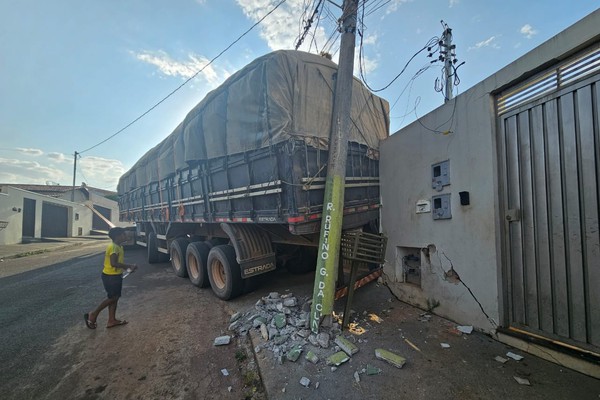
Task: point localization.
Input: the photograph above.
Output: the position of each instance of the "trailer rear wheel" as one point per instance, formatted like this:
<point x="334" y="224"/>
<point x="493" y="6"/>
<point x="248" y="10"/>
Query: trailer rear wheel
<point x="178" y="248"/>
<point x="196" y="257"/>
<point x="224" y="272"/>
<point x="152" y="247"/>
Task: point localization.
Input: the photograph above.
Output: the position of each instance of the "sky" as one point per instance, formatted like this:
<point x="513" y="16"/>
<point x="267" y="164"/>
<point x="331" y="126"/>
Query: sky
<point x="74" y="73"/>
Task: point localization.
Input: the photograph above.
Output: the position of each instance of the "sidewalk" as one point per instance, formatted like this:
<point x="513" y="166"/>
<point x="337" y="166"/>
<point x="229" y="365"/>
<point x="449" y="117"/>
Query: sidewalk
<point x="441" y="362"/>
<point x="37" y="246"/>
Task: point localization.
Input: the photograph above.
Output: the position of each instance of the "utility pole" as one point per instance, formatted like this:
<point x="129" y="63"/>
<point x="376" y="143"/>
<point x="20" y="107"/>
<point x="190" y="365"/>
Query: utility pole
<point x="333" y="202"/>
<point x="74" y="172"/>
<point x="448" y="54"/>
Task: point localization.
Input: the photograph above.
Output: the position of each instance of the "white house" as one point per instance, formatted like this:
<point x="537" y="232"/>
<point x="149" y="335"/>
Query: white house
<point x="45" y="211"/>
<point x="490" y="202"/>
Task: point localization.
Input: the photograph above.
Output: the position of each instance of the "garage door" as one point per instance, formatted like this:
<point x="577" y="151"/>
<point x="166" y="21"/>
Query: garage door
<point x="55" y="220"/>
<point x="550" y="155"/>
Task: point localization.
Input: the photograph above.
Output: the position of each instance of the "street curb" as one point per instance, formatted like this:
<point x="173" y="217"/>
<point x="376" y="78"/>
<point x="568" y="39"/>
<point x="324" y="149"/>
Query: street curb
<point x="48" y="250"/>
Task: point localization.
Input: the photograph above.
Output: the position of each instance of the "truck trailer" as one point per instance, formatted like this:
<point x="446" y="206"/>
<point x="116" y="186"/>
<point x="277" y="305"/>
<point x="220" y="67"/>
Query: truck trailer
<point x="236" y="190"/>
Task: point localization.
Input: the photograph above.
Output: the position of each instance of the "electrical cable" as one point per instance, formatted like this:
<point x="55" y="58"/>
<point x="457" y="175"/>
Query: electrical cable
<point x="187" y="80"/>
<point x="308" y="25"/>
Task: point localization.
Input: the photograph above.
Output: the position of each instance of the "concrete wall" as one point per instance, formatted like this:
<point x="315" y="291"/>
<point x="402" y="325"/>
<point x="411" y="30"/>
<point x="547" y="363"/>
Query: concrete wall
<point x="13" y="198"/>
<point x="471" y="240"/>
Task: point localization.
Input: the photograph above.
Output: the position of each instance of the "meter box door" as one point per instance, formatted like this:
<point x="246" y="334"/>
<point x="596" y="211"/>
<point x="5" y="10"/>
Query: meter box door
<point x="441" y="207"/>
<point x="440" y="175"/>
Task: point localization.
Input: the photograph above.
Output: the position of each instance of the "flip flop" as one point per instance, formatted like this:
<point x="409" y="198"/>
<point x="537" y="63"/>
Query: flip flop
<point x="88" y="323"/>
<point x="117" y="324"/>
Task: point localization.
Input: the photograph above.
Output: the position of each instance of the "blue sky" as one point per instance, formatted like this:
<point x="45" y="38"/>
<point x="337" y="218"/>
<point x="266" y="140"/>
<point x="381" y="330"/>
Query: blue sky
<point x="74" y="72"/>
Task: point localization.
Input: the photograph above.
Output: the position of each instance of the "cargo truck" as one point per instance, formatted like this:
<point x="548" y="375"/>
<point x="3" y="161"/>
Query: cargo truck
<point x="237" y="189"/>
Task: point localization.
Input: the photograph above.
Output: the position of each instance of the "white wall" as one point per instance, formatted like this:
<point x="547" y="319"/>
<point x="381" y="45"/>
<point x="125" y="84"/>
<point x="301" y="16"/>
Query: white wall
<point x="469" y="238"/>
<point x="13" y="198"/>
<point x="472" y="238"/>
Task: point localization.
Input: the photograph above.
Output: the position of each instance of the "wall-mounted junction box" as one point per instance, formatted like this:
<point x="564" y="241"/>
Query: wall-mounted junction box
<point x="440" y="175"/>
<point x="441" y="207"/>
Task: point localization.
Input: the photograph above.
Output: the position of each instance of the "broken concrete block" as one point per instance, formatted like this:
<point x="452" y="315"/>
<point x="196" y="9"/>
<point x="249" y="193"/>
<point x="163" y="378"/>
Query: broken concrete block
<point x="445" y="345"/>
<point x="522" y="381"/>
<point x="501" y="359"/>
<point x="264" y="332"/>
<point x="346" y="345"/>
<point x="316" y="385"/>
<point x="279" y="320"/>
<point x="323" y="340"/>
<point x="273" y="332"/>
<point x="280" y="339"/>
<point x="274" y="295"/>
<point x="465" y="329"/>
<point x="356" y="377"/>
<point x="225" y="372"/>
<point x="333" y="369"/>
<point x="258" y="321"/>
<point x="391" y="358"/>
<point x="312" y="357"/>
<point x="294" y="353"/>
<point x="303" y="333"/>
<point x="290" y="302"/>
<point x="514" y="356"/>
<point x="313" y="339"/>
<point x="235" y="317"/>
<point x="235" y="325"/>
<point x="279" y="306"/>
<point x="305" y="381"/>
<point x="222" y="340"/>
<point x="338" y="358"/>
<point x="371" y="370"/>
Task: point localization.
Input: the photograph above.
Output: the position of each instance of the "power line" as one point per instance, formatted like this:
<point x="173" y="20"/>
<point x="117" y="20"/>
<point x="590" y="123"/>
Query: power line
<point x="186" y="81"/>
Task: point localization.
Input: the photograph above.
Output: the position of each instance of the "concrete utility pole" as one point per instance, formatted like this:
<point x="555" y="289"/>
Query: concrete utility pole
<point x="74" y="171"/>
<point x="333" y="202"/>
<point x="448" y="57"/>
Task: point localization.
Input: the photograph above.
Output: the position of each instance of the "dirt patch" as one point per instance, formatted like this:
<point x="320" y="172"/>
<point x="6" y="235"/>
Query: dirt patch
<point x="166" y="351"/>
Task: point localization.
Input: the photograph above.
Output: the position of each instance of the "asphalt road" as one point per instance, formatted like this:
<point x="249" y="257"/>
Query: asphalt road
<point x="48" y="353"/>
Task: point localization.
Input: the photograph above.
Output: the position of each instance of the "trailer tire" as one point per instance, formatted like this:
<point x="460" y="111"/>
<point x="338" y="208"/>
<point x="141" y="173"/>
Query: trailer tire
<point x="196" y="257"/>
<point x="152" y="247"/>
<point x="224" y="272"/>
<point x="177" y="250"/>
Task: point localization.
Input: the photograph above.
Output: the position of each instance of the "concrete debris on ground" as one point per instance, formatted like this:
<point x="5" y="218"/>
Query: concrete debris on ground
<point x="514" y="356"/>
<point x="391" y="358"/>
<point x="305" y="381"/>
<point x="468" y="329"/>
<point x="500" y="359"/>
<point x="225" y="372"/>
<point x="522" y="381"/>
<point x="282" y="321"/>
<point x="445" y="345"/>
<point x="222" y="340"/>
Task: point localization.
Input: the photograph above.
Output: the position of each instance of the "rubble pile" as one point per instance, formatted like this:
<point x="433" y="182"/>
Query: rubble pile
<point x="283" y="322"/>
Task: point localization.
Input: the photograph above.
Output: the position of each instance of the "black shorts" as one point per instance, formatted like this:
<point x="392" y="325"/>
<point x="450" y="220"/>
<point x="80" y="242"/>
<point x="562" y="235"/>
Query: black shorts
<point x="112" y="285"/>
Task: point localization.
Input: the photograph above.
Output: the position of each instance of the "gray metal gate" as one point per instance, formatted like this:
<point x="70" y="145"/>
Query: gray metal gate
<point x="550" y="156"/>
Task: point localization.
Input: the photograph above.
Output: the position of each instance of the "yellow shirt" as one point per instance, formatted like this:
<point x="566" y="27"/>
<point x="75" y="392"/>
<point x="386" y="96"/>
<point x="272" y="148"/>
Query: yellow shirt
<point x="113" y="248"/>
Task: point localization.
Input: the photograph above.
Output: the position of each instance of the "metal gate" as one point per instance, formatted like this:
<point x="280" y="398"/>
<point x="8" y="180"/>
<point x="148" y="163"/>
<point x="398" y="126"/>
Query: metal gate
<point x="55" y="220"/>
<point x="550" y="161"/>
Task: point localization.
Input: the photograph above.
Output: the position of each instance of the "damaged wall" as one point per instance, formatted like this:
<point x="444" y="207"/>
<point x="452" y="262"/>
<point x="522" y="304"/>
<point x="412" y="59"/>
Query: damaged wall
<point x="468" y="240"/>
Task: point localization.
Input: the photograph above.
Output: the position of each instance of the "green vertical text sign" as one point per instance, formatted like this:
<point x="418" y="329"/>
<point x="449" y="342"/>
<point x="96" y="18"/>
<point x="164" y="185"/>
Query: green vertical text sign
<point x="328" y="251"/>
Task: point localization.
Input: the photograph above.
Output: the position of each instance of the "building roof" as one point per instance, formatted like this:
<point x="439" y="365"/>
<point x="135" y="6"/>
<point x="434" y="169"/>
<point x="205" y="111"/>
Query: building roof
<point x="57" y="190"/>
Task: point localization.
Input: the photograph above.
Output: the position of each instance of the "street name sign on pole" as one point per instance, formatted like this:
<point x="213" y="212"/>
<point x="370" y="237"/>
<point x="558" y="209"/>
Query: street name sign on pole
<point x="333" y="202"/>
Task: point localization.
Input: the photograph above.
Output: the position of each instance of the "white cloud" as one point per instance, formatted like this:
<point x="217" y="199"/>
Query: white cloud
<point x="278" y="29"/>
<point x="369" y="64"/>
<point x="185" y="69"/>
<point x="19" y="171"/>
<point x="59" y="157"/>
<point x="393" y="7"/>
<point x="370" y="39"/>
<point x="31" y="152"/>
<point x="528" y="31"/>
<point x="101" y="172"/>
<point x="454" y="2"/>
<point x="490" y="42"/>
